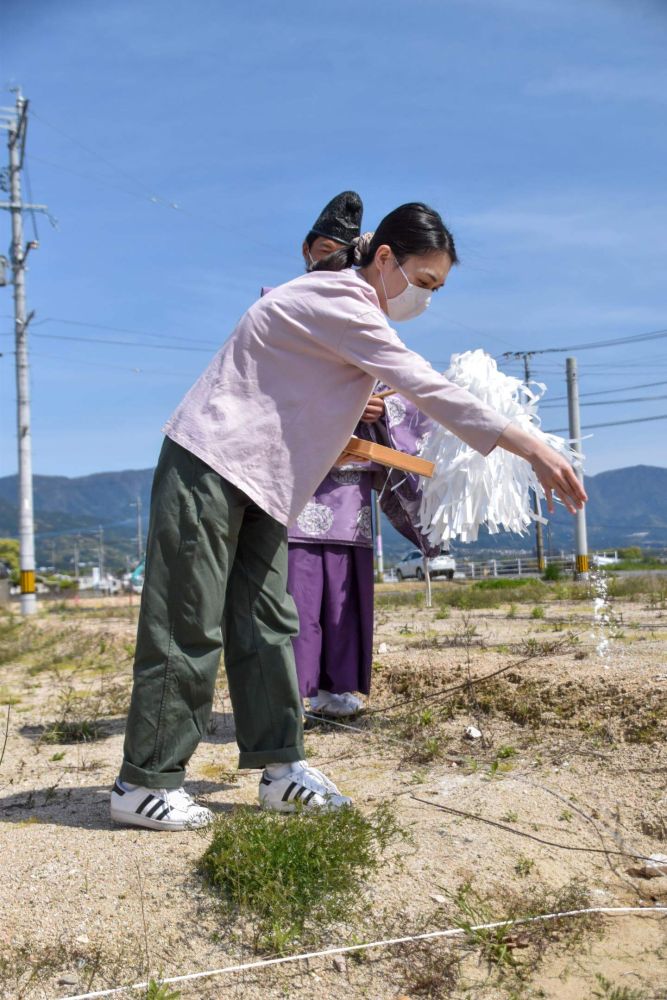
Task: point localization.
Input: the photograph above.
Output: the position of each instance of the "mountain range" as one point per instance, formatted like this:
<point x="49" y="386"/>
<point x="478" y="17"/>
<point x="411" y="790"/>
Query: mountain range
<point x="626" y="507"/>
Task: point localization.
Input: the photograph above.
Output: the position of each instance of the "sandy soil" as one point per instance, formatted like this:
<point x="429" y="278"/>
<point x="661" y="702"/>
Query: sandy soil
<point x="572" y="753"/>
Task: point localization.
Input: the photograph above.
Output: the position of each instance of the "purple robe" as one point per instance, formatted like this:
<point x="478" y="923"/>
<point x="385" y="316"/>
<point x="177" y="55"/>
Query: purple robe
<point x="332" y="586"/>
<point x="339" y="511"/>
<point x="331" y="558"/>
<point x="405" y="428"/>
<point x="331" y="580"/>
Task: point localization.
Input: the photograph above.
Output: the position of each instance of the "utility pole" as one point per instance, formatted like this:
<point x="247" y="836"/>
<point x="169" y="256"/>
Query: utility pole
<point x="539" y="537"/>
<point x="580" y="539"/>
<point x="76" y="557"/>
<point x="140" y="543"/>
<point x="100" y="552"/>
<point x="15" y="122"/>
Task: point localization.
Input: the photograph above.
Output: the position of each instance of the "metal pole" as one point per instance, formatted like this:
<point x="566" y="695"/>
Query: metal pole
<point x="581" y="542"/>
<point x="100" y="552"/>
<point x="379" y="575"/>
<point x="539" y="540"/>
<point x="140" y="544"/>
<point x="17" y="130"/>
<point x="427" y="581"/>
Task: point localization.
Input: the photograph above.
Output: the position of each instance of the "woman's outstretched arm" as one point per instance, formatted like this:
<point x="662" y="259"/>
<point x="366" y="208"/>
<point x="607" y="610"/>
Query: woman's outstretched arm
<point x="553" y="471"/>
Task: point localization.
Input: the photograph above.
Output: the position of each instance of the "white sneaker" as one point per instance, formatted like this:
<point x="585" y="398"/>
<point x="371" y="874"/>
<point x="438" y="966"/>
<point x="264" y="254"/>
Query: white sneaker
<point x="338" y="706"/>
<point x="157" y="808"/>
<point x="302" y="784"/>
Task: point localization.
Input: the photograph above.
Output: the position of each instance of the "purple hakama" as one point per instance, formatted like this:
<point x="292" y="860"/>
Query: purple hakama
<point x="331" y="557"/>
<point x="331" y="581"/>
<point x="332" y="586"/>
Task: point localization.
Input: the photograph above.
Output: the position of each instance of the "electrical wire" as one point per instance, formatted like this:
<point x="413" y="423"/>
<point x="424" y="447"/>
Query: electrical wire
<point x="92" y="177"/>
<point x="606" y="392"/>
<point x="120" y="343"/>
<point x="122" y="329"/>
<point x="157" y="199"/>
<point x="187" y="341"/>
<point x="608" y="402"/>
<point x="592" y="345"/>
<point x="612" y="423"/>
<point x="178" y="373"/>
<point x="97" y="155"/>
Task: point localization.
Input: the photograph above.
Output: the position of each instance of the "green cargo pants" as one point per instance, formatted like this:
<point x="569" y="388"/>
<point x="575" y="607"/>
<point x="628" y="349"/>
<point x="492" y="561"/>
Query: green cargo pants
<point x="216" y="575"/>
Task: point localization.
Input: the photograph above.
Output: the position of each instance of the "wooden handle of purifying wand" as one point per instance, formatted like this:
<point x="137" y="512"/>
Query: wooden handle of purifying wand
<point x="369" y="451"/>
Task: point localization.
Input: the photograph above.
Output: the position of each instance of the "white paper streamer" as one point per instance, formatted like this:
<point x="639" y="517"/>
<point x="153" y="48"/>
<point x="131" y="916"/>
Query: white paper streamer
<point x="469" y="489"/>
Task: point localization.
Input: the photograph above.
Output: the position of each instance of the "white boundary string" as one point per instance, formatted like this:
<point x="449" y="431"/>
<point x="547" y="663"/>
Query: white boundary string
<point x="430" y="936"/>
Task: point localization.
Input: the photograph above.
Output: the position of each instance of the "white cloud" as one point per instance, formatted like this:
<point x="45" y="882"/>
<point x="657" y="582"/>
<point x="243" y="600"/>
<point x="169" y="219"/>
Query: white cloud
<point x="605" y="83"/>
<point x="580" y="221"/>
<point x="548" y="228"/>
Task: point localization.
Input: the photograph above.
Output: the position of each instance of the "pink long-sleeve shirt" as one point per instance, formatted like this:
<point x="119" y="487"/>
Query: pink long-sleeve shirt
<point x="279" y="401"/>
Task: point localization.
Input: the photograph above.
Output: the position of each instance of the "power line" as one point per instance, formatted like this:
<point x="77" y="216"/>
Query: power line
<point x="121" y="343"/>
<point x="611" y="402"/>
<point x="607" y="392"/>
<point x="157" y="199"/>
<point x="179" y="373"/>
<point x="612" y="423"/>
<point x="122" y="329"/>
<point x="98" y="180"/>
<point x="592" y="367"/>
<point x="113" y="166"/>
<point x="591" y="345"/>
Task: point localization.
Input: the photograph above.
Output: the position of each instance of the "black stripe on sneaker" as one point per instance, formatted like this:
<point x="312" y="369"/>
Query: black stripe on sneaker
<point x="308" y="798"/>
<point x="164" y="813"/>
<point x="149" y="798"/>
<point x="154" y="809"/>
<point x="288" y="791"/>
<point x="300" y="791"/>
<point x="117" y="789"/>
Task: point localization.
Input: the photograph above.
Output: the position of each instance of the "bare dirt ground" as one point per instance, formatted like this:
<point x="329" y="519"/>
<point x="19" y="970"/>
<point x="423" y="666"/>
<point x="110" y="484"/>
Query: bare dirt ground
<point x="553" y="807"/>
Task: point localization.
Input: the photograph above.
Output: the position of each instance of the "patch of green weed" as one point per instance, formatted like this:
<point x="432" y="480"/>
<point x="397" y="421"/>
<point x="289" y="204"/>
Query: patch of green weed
<point x="294" y="876"/>
<point x="608" y="991"/>
<point x="160" y="991"/>
<point x="72" y="731"/>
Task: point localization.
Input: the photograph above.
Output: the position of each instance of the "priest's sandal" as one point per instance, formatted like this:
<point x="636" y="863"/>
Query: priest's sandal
<point x="338" y="706"/>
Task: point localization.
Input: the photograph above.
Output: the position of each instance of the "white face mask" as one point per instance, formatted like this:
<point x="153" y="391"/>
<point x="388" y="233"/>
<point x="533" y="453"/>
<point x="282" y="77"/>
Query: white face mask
<point x="411" y="302"/>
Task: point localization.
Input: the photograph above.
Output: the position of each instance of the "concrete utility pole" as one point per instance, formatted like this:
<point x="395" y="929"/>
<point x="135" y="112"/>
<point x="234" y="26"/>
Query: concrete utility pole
<point x="15" y="122"/>
<point x="581" y="542"/>
<point x="76" y="557"/>
<point x="140" y="543"/>
<point x="539" y="537"/>
<point x="100" y="551"/>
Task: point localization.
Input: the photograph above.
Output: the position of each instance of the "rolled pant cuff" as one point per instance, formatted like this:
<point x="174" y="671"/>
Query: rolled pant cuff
<point x="259" y="758"/>
<point x="151" y="779"/>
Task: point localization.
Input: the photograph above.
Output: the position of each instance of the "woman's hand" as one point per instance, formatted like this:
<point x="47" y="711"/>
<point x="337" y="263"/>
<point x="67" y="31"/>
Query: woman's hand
<point x="374" y="410"/>
<point x="554" y="472"/>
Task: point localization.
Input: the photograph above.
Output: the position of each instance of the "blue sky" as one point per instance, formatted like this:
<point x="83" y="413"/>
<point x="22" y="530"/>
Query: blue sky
<point x="185" y="149"/>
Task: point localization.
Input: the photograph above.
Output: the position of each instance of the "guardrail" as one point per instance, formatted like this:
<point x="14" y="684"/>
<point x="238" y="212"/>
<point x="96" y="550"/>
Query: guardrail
<point x="478" y="569"/>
